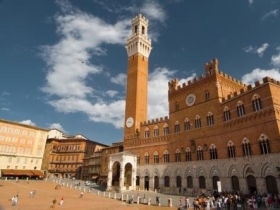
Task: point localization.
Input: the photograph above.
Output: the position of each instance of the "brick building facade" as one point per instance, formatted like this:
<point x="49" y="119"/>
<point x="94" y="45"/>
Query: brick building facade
<point x="219" y="135"/>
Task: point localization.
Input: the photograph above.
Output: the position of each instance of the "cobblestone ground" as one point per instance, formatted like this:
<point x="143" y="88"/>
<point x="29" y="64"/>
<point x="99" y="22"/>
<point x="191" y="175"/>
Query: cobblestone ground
<point x="46" y="192"/>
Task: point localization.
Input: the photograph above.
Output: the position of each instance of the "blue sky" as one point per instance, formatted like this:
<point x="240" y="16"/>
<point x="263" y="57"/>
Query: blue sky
<point x="63" y="63"/>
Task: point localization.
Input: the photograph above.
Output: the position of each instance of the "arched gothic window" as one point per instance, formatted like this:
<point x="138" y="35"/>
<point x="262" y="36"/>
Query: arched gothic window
<point x="177" y="156"/>
<point x="210" y="119"/>
<point x="264" y="145"/>
<point x="246" y="147"/>
<point x="197" y="122"/>
<point x="240" y="109"/>
<point x="213" y="152"/>
<point x="256" y="103"/>
<point x="146" y="158"/>
<point x="166" y="156"/>
<point x="227" y="116"/>
<point x="156" y="157"/>
<point x="231" y="150"/>
<point x="199" y="153"/>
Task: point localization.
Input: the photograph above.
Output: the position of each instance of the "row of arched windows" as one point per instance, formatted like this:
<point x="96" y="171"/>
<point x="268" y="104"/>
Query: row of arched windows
<point x="256" y="104"/>
<point x="187" y="154"/>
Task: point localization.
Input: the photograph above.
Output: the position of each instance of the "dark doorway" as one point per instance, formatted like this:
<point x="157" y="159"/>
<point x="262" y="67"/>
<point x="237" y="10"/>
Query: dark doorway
<point x="146" y="183"/>
<point x="271" y="184"/>
<point x="235" y="183"/>
<point x="252" y="186"/>
<point x="215" y="180"/>
<point x="156" y="183"/>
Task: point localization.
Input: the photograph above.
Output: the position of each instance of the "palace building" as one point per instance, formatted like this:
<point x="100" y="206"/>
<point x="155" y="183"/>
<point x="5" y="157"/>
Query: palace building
<point x="220" y="134"/>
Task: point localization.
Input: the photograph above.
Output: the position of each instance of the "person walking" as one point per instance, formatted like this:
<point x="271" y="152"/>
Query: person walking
<point x="81" y="194"/>
<point x="61" y="201"/>
<point x="53" y="203"/>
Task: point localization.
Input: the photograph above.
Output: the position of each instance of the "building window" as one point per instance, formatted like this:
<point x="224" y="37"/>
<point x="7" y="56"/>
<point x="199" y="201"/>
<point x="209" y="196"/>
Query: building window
<point x="165" y="130"/>
<point x="231" y="150"/>
<point x="187" y="125"/>
<point x="226" y="114"/>
<point x="178" y="181"/>
<point x="177" y="106"/>
<point x="256" y="103"/>
<point x="177" y="156"/>
<point x="213" y="152"/>
<point x="199" y="153"/>
<point x="138" y="158"/>
<point x="197" y="122"/>
<point x="166" y="156"/>
<point x="166" y="181"/>
<point x="147" y="133"/>
<point x="246" y="147"/>
<point x="188" y="155"/>
<point x="146" y="158"/>
<point x="202" y="184"/>
<point x="189" y="182"/>
<point x="207" y="95"/>
<point x="210" y="119"/>
<point x="264" y="145"/>
<point x="156" y="158"/>
<point x="240" y="109"/>
<point x="156" y="131"/>
<point x="3" y="129"/>
<point x="177" y="127"/>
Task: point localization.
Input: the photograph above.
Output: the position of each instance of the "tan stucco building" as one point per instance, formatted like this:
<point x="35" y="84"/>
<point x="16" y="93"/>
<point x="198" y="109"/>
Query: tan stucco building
<point x="21" y="149"/>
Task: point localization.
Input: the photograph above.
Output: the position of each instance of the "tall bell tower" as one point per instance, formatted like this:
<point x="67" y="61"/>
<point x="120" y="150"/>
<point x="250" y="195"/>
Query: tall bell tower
<point x="138" y="48"/>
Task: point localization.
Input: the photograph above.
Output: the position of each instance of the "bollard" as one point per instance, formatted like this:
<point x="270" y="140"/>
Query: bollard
<point x="127" y="198"/>
<point x="138" y="199"/>
<point x="98" y="192"/>
<point x="121" y="197"/>
<point x="89" y="190"/>
<point x="158" y="201"/>
<point x="109" y="195"/>
<point x="169" y="202"/>
<point x="115" y="196"/>
<point x="104" y="194"/>
<point x="149" y="201"/>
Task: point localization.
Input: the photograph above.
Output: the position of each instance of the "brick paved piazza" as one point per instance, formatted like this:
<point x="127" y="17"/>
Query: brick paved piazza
<point x="46" y="192"/>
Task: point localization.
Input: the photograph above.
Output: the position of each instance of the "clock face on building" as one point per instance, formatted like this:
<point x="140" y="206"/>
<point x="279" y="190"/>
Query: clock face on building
<point x="190" y="100"/>
<point x="129" y="122"/>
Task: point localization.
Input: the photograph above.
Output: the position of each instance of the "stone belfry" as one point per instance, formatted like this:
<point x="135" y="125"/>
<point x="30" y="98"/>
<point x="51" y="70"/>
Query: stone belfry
<point x="138" y="48"/>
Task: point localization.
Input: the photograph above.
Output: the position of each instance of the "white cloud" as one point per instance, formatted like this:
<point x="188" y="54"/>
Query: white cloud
<point x="57" y="126"/>
<point x="111" y="93"/>
<point x="258" y="74"/>
<point x="258" y="50"/>
<point x="70" y="64"/>
<point x="153" y="10"/>
<point x="275" y="60"/>
<point x="28" y="122"/>
<point x="273" y="13"/>
<point x="251" y="2"/>
<point x="120" y="79"/>
<point x="158" y="91"/>
<point x="5" y="109"/>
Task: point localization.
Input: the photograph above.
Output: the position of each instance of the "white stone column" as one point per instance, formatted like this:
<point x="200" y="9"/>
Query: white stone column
<point x="122" y="187"/>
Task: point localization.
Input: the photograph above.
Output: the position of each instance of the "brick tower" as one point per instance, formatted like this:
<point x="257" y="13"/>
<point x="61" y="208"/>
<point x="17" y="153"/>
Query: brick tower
<point x="138" y="48"/>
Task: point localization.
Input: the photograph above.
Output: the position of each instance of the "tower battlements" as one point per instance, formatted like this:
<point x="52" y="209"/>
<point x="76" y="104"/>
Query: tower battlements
<point x="211" y="68"/>
<point x="250" y="87"/>
<point x="152" y="121"/>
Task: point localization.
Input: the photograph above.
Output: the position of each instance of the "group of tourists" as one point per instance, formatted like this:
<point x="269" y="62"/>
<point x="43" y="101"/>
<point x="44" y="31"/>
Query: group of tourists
<point x="232" y="201"/>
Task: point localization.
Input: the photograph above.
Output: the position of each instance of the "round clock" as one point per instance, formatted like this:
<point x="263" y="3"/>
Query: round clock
<point x="190" y="100"/>
<point x="129" y="122"/>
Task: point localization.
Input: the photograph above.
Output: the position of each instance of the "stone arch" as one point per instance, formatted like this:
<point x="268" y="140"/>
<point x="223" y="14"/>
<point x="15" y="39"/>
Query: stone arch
<point x="200" y="172"/>
<point x="266" y="170"/>
<point x="233" y="171"/>
<point x="189" y="172"/>
<point x="178" y="172"/>
<point x="166" y="172"/>
<point x="156" y="172"/>
<point x="248" y="170"/>
<point x="214" y="171"/>
<point x="146" y="172"/>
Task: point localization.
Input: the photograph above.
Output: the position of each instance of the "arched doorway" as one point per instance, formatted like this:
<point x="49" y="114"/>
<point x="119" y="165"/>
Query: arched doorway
<point x="271" y="184"/>
<point x="235" y="183"/>
<point x="146" y="184"/>
<point x="178" y="182"/>
<point x="116" y="174"/>
<point x="137" y="181"/>
<point x="215" y="180"/>
<point x="128" y="175"/>
<point x="252" y="186"/>
<point x="156" y="182"/>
